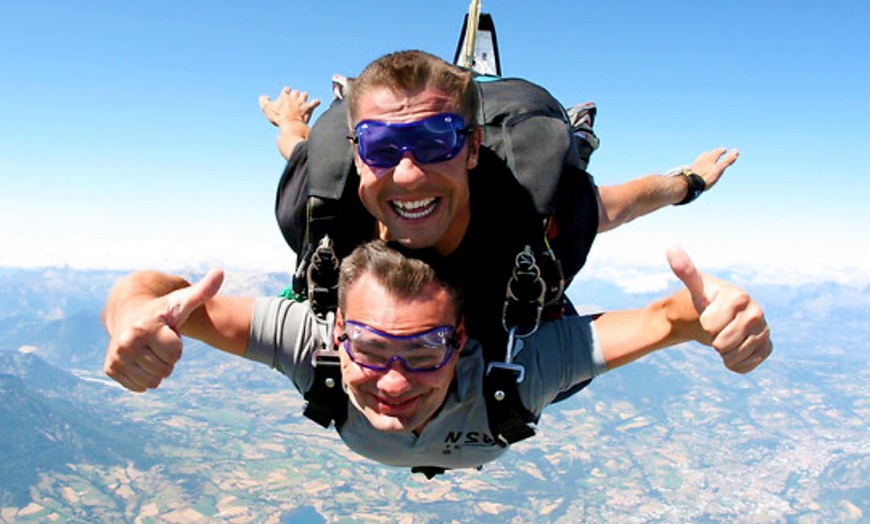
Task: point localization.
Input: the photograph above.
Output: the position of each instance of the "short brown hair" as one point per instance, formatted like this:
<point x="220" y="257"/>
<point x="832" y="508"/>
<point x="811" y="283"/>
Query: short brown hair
<point x="411" y="71"/>
<point x="405" y="274"/>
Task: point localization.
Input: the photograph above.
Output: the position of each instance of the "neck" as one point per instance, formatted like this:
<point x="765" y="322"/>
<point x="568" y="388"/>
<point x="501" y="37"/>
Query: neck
<point x="451" y="240"/>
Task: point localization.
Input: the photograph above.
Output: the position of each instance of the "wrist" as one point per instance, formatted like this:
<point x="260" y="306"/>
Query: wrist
<point x="695" y="185"/>
<point x="293" y="122"/>
<point x="683" y="319"/>
<point x="295" y="128"/>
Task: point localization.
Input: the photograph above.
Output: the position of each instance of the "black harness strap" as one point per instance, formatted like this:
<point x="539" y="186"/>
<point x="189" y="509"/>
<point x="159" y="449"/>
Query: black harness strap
<point x="509" y="419"/>
<point x="326" y="401"/>
<point x="322" y="279"/>
<point x="524" y="297"/>
<point x="320" y="217"/>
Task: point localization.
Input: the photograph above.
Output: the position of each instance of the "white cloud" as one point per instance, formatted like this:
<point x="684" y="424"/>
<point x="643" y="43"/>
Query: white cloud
<point x="784" y="251"/>
<point x="633" y="257"/>
<point x="190" y="253"/>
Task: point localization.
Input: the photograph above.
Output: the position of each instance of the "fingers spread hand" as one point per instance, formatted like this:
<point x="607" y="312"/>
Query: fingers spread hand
<point x="711" y="165"/>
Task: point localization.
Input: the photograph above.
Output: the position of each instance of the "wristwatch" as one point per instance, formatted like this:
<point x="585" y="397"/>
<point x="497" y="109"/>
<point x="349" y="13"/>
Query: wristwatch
<point x="696" y="185"/>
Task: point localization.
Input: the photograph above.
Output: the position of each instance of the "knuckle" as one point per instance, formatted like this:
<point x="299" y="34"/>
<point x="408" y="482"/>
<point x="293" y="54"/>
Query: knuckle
<point x="743" y="301"/>
<point x="130" y="337"/>
<point x="171" y="352"/>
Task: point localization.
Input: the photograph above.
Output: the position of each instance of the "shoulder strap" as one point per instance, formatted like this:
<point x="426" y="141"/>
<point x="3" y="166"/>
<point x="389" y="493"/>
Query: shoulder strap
<point x="326" y="401"/>
<point x="332" y="158"/>
<point x="509" y="420"/>
<point x="317" y="195"/>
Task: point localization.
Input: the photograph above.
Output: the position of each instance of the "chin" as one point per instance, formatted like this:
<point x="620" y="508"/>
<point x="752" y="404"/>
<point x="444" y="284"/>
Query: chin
<point x="418" y="235"/>
<point x="388" y="424"/>
<point x="418" y="241"/>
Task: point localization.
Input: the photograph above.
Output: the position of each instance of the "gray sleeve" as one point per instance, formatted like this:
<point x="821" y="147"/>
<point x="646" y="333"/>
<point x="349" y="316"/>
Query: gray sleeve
<point x="562" y="353"/>
<point x="284" y="334"/>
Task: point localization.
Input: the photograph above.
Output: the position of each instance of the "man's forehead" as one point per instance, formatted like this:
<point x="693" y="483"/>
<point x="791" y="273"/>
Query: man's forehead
<point x="368" y="301"/>
<point x="389" y="105"/>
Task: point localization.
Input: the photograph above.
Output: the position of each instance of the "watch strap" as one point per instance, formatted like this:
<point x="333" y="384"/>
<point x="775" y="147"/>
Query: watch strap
<point x="696" y="184"/>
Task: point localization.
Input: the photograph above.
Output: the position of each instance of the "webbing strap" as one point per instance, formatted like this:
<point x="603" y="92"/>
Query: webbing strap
<point x="509" y="420"/>
<point x="551" y="267"/>
<point x="326" y="401"/>
<point x="322" y="278"/>
<point x="524" y="297"/>
<point x="320" y="216"/>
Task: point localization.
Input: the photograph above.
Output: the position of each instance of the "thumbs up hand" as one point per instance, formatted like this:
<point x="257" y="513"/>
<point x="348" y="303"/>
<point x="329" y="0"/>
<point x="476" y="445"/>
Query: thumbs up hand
<point x="145" y="342"/>
<point x="733" y="322"/>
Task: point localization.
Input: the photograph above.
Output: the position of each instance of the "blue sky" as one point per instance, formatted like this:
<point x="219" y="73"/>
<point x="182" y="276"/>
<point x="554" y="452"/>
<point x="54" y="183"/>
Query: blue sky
<point x="130" y="134"/>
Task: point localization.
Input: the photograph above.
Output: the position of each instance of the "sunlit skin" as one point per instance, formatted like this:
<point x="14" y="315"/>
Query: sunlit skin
<point x="397" y="400"/>
<point x="435" y="194"/>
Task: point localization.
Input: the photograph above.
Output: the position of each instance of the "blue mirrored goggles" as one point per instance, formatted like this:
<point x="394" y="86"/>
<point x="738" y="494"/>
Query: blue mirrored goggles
<point x="425" y="351"/>
<point x="435" y="139"/>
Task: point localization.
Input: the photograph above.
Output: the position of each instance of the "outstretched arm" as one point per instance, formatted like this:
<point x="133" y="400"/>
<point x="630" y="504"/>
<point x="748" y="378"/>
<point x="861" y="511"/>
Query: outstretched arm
<point x="623" y="203"/>
<point x="290" y="112"/>
<point x="710" y="311"/>
<point x="146" y="314"/>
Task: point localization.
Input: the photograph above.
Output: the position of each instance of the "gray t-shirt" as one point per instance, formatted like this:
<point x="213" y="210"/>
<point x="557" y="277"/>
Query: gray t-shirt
<point x="560" y="354"/>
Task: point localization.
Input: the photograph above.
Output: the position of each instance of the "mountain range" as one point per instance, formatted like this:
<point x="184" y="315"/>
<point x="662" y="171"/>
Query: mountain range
<point x="672" y="438"/>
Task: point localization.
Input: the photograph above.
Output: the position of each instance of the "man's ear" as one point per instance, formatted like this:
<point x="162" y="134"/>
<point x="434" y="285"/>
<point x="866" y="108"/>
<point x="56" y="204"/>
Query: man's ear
<point x="338" y="330"/>
<point x="474" y="147"/>
<point x="461" y="335"/>
<point x="357" y="161"/>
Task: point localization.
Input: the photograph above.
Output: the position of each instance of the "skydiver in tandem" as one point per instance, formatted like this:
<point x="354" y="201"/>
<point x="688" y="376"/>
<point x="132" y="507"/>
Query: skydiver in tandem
<point x="414" y="103"/>
<point x="426" y="148"/>
<point x="413" y="378"/>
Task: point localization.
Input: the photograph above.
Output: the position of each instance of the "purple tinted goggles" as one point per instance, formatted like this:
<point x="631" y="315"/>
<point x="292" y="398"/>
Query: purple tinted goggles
<point x="373" y="349"/>
<point x="431" y="140"/>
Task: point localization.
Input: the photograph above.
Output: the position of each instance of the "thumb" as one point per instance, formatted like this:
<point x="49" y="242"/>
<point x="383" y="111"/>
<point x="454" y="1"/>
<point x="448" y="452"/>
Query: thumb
<point x="184" y="301"/>
<point x="685" y="270"/>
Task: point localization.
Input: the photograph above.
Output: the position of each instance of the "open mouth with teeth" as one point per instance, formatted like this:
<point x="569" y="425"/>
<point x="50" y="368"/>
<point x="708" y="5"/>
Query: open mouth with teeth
<point x="415" y="209"/>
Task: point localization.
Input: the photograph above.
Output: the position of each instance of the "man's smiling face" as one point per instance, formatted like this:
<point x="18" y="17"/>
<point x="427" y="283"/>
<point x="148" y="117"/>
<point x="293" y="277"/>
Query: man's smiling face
<point x="421" y="205"/>
<point x="397" y="400"/>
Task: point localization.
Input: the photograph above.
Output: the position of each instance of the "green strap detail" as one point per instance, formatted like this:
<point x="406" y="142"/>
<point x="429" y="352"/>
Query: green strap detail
<point x="290" y="295"/>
